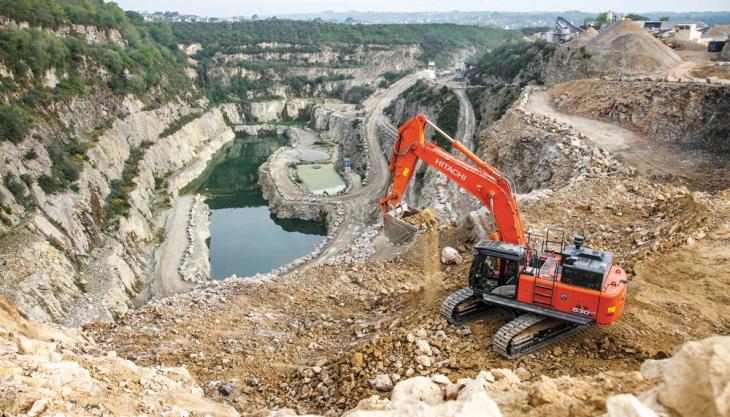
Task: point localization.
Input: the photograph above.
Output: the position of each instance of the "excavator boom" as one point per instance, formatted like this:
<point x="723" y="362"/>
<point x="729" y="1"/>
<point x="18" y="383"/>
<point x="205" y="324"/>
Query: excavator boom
<point x="493" y="189"/>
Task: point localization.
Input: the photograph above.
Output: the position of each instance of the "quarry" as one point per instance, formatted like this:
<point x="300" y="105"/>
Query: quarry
<point x="191" y="221"/>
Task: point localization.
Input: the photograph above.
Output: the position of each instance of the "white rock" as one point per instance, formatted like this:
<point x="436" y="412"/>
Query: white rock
<point x="423" y="360"/>
<point x="450" y="256"/>
<point x="696" y="379"/>
<point x="441" y="379"/>
<point x="423" y="347"/>
<point x="626" y="405"/>
<point x="417" y="389"/>
<point x="382" y="383"/>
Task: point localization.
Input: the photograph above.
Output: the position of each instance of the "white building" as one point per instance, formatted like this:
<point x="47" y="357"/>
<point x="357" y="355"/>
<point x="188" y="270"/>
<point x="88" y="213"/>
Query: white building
<point x="688" y="32"/>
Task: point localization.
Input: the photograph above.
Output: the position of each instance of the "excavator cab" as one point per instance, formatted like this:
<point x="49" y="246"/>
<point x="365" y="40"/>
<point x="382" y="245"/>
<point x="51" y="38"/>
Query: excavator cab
<point x="496" y="267"/>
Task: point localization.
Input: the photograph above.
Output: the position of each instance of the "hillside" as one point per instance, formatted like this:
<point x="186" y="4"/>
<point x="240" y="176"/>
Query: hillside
<point x="284" y="58"/>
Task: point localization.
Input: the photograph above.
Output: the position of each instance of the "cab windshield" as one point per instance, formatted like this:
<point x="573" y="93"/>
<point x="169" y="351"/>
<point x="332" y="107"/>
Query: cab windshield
<point x="490" y="271"/>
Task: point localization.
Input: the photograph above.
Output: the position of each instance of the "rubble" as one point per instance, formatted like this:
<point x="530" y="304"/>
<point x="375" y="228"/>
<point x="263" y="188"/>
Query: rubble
<point x="380" y="319"/>
<point x="50" y="370"/>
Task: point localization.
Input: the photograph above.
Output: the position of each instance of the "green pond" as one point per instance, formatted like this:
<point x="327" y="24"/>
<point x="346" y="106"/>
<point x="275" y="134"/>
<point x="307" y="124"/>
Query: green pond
<point x="320" y="178"/>
<point x="245" y="237"/>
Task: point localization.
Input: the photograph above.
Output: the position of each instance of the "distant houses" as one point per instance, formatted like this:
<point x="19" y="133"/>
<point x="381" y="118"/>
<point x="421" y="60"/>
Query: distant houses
<point x="671" y="33"/>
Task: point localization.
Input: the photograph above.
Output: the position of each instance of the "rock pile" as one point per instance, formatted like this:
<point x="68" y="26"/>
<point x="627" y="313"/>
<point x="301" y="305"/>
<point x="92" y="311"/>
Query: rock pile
<point x="53" y="370"/>
<point x="49" y="369"/>
<point x="646" y="218"/>
<point x="687" y="385"/>
<point x="361" y="248"/>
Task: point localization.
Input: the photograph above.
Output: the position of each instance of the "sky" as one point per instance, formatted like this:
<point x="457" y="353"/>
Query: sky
<point x="224" y="8"/>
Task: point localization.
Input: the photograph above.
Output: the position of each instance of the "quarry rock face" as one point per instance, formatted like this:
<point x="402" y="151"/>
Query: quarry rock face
<point x="692" y="115"/>
<point x="71" y="224"/>
<point x="267" y="111"/>
<point x="538" y="153"/>
<point x="431" y="189"/>
<point x="326" y="60"/>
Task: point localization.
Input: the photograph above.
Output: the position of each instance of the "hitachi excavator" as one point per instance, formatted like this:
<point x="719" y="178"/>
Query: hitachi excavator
<point x="554" y="290"/>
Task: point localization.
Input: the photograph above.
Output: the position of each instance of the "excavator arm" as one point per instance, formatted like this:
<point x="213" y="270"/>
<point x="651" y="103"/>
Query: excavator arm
<point x="493" y="189"/>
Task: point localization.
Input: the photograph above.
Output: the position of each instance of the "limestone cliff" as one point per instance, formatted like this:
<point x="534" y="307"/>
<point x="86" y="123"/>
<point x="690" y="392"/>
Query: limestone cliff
<point x="291" y="70"/>
<point x="61" y="260"/>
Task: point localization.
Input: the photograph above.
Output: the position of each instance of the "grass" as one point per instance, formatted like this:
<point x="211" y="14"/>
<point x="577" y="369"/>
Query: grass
<point x="117" y="202"/>
<point x="179" y="123"/>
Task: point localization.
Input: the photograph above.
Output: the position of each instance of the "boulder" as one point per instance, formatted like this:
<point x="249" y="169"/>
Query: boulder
<point x="420" y="396"/>
<point x="696" y="379"/>
<point x="450" y="256"/>
<point x="418" y="389"/>
<point x="626" y="405"/>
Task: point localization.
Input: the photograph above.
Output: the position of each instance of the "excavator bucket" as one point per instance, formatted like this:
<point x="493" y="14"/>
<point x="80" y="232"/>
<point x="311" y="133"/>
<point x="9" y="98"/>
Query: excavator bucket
<point x="395" y="228"/>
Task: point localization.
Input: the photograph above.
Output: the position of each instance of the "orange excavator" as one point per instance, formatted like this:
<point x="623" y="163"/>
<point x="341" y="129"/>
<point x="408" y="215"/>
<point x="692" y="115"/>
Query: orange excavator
<point x="552" y="288"/>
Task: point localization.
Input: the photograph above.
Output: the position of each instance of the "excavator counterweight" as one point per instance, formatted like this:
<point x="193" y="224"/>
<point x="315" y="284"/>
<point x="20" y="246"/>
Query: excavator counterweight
<point x="554" y="290"/>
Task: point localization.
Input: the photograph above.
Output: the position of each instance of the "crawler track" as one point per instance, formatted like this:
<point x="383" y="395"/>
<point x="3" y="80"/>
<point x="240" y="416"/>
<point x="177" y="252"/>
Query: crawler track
<point x="524" y="334"/>
<point x="516" y="339"/>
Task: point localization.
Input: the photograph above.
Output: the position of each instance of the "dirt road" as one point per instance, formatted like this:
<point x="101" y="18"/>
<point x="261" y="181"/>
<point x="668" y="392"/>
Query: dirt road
<point x="170" y="254"/>
<point x="360" y="204"/>
<point x="651" y="158"/>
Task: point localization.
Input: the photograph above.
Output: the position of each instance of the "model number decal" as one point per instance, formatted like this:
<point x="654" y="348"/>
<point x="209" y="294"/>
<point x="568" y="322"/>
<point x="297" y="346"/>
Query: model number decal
<point x="582" y="311"/>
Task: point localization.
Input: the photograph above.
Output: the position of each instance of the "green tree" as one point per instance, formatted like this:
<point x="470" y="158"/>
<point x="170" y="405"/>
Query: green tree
<point x="13" y="126"/>
<point x="162" y="33"/>
<point x="664" y="19"/>
<point x="601" y="19"/>
<point x="636" y="17"/>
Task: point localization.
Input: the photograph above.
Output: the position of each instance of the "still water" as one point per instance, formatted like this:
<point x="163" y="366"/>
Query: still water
<point x="245" y="237"/>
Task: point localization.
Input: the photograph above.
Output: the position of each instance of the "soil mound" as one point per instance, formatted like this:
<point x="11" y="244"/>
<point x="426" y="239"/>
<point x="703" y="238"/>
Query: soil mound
<point x="627" y="48"/>
<point x="583" y="38"/>
<point x="719" y="32"/>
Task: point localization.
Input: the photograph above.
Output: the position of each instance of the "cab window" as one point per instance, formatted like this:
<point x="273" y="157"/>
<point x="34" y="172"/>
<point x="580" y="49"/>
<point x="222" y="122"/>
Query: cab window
<point x="503" y="271"/>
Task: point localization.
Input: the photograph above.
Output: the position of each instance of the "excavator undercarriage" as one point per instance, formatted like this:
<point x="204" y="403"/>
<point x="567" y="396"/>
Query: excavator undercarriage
<point x="524" y="334"/>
